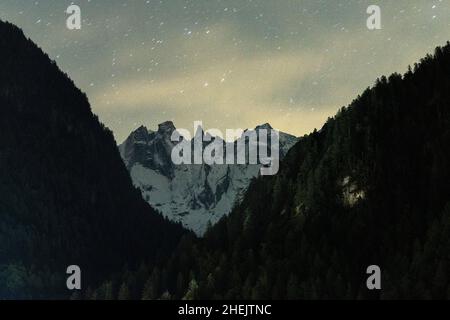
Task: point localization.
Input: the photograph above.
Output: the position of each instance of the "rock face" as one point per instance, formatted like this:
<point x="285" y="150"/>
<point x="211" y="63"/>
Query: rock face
<point x="194" y="194"/>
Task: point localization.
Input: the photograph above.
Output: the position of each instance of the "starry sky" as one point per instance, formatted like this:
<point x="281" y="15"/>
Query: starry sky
<point x="229" y="63"/>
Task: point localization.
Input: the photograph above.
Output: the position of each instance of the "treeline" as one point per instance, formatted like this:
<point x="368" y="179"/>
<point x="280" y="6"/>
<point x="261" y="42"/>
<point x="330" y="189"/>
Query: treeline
<point x="371" y="187"/>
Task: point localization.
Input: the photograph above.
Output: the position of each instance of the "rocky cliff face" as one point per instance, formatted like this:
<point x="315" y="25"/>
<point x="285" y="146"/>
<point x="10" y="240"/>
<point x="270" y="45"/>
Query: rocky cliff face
<point x="194" y="194"/>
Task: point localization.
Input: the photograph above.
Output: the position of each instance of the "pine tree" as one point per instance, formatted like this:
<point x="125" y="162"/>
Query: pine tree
<point x="192" y="292"/>
<point x="124" y="292"/>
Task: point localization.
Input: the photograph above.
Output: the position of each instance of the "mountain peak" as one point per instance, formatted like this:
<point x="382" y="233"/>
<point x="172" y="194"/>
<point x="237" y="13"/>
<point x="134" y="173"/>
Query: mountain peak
<point x="192" y="194"/>
<point x="140" y="134"/>
<point x="141" y="129"/>
<point x="266" y="126"/>
<point x="166" y="127"/>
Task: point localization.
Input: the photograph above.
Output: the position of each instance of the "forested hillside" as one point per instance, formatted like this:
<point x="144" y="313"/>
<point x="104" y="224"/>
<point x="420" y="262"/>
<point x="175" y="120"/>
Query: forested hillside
<point x="65" y="196"/>
<point x="370" y="187"/>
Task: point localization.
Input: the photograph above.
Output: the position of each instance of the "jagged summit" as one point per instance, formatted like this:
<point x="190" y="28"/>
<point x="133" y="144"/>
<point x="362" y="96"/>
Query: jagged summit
<point x="192" y="194"/>
<point x="142" y="129"/>
<point x="140" y="134"/>
<point x="166" y="127"/>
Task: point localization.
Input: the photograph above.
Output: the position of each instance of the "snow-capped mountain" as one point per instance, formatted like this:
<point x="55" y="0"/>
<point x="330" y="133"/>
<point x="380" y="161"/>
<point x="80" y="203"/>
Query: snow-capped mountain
<point x="194" y="194"/>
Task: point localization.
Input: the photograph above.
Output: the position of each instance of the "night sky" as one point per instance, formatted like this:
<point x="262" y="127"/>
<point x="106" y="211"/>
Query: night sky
<point x="229" y="63"/>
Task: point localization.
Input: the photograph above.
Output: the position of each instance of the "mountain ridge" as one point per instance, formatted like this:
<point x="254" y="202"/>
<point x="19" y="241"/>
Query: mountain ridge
<point x="198" y="194"/>
<point x="65" y="195"/>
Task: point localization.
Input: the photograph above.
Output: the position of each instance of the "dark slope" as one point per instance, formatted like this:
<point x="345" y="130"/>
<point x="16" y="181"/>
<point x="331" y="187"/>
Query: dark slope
<point x="65" y="195"/>
<point x="371" y="187"/>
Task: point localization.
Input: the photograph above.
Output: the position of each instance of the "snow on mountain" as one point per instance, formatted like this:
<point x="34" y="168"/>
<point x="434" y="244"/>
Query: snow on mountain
<point x="194" y="194"/>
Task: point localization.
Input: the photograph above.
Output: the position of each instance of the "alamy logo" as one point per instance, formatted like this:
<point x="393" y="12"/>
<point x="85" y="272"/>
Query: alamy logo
<point x="251" y="148"/>
<point x="74" y="280"/>
<point x="73" y="22"/>
<point x="374" y="20"/>
<point x="374" y="280"/>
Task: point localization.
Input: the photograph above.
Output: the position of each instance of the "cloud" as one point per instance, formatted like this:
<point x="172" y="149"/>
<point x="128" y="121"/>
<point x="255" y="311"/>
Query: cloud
<point x="245" y="87"/>
<point x="231" y="64"/>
